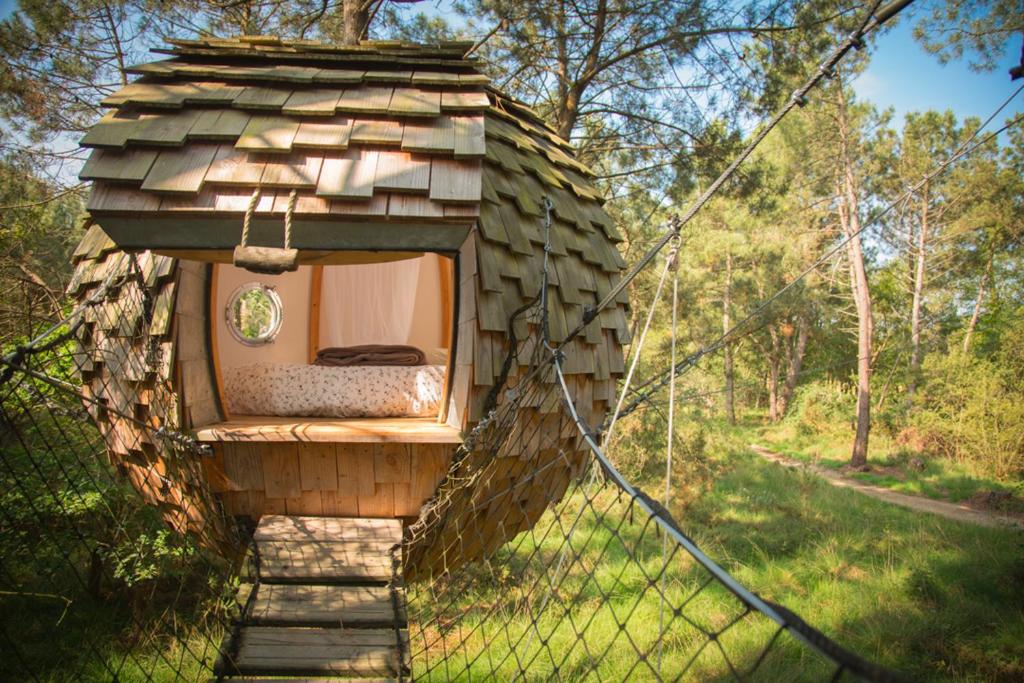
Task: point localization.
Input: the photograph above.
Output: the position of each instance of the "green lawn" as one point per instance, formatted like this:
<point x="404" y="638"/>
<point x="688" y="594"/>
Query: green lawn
<point x="892" y="465"/>
<point x="935" y="599"/>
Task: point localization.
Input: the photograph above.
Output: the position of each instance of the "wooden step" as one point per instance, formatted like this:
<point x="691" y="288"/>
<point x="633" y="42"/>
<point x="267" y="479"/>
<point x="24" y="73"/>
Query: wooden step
<point x="344" y="606"/>
<point x="328" y="549"/>
<point x="274" y="651"/>
<point x="327" y="562"/>
<point x="287" y="528"/>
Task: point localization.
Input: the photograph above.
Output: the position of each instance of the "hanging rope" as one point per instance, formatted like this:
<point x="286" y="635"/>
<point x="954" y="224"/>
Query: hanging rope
<point x="673" y="258"/>
<point x="638" y="347"/>
<point x="267" y="260"/>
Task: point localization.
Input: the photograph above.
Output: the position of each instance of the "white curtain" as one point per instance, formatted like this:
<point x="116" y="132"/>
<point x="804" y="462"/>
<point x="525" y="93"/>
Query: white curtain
<point x="368" y="304"/>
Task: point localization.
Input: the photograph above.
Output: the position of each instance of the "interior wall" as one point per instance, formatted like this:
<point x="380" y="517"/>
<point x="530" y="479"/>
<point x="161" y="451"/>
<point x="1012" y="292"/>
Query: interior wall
<point x="380" y="303"/>
<point x="383" y="303"/>
<point x="292" y="343"/>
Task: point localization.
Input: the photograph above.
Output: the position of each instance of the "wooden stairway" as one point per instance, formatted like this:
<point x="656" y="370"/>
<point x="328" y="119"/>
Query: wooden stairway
<point x="327" y="600"/>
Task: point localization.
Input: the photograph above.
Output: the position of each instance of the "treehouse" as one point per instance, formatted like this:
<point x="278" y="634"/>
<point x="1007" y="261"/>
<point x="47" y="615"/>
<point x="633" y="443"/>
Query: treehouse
<point x="308" y="257"/>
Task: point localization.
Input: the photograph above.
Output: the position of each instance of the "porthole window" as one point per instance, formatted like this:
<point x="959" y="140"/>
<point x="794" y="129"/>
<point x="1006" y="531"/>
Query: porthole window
<point x="254" y="314"/>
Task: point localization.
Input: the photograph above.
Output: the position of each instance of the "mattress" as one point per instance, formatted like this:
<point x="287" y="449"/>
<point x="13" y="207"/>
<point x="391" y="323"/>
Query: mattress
<point x="289" y="389"/>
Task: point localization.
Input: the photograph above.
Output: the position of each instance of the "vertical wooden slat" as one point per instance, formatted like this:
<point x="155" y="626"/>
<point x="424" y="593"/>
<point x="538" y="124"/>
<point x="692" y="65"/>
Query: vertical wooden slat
<point x="380" y="504"/>
<point x="281" y="471"/>
<point x="318" y="467"/>
<point x="307" y="503"/>
<point x="334" y="503"/>
<point x="391" y="463"/>
<point x="243" y="467"/>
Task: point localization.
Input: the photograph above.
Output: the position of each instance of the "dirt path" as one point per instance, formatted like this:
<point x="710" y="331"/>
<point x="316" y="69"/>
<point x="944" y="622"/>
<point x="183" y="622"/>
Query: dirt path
<point x="956" y="511"/>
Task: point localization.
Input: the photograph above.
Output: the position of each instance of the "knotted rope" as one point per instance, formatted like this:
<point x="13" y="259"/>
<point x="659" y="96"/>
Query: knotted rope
<point x="268" y="260"/>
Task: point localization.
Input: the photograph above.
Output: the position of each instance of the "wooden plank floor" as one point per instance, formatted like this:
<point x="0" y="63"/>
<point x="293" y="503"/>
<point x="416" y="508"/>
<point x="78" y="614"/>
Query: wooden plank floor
<point x="312" y="605"/>
<point x="263" y="428"/>
<point x="327" y="601"/>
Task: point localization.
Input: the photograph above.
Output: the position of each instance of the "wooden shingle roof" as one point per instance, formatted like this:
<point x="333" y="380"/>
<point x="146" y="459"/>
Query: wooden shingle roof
<point x="383" y="131"/>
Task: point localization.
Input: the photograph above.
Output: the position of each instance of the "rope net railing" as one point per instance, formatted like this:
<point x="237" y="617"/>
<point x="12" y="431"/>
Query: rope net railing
<point x="596" y="581"/>
<point x="117" y="562"/>
<point x="94" y="584"/>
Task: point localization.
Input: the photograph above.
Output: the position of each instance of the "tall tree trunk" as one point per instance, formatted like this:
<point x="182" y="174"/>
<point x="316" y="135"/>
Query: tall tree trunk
<point x="982" y="291"/>
<point x="915" y="306"/>
<point x="796" y="361"/>
<point x="730" y="406"/>
<point x="849" y="216"/>
<point x="355" y="15"/>
<point x="774" y="360"/>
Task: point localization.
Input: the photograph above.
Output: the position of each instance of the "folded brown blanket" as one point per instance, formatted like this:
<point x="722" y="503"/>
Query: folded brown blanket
<point x="370" y="354"/>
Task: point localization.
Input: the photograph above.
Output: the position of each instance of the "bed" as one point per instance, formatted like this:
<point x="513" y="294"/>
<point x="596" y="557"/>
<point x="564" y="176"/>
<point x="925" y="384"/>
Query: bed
<point x="293" y="390"/>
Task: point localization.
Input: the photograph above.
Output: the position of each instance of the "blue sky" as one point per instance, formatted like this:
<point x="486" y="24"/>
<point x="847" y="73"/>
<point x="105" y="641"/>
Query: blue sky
<point x="903" y="76"/>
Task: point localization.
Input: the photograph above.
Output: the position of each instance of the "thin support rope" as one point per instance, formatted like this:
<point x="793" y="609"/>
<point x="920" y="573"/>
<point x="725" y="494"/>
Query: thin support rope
<point x="673" y="258"/>
<point x="639" y="347"/>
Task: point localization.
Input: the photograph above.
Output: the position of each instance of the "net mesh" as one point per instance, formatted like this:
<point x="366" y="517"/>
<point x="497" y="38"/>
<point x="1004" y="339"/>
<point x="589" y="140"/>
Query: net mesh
<point x="102" y="580"/>
<point x="592" y="580"/>
<point x="605" y="586"/>
<point x="94" y="583"/>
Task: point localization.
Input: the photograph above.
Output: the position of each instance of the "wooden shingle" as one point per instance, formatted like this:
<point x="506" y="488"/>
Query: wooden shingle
<point x="180" y="170"/>
<point x="376" y="132"/>
<point x="167" y="129"/>
<point x="295" y="170"/>
<point x="348" y="175"/>
<point x="339" y="76"/>
<point x="259" y="97"/>
<point x="455" y="181"/>
<point x="111" y="131"/>
<point x="469" y="136"/>
<point x="268" y="134"/>
<point x="414" y="102"/>
<point x="235" y="167"/>
<point x="319" y="102"/>
<point x="402" y="171"/>
<point x="432" y="135"/>
<point x="366" y="100"/>
<point x="464" y="100"/>
<point x="333" y="134"/>
<point x="219" y="124"/>
<point x="131" y="165"/>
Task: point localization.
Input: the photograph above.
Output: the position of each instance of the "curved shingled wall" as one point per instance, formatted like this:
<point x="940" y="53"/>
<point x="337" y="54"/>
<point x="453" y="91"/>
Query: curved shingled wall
<point x="387" y="145"/>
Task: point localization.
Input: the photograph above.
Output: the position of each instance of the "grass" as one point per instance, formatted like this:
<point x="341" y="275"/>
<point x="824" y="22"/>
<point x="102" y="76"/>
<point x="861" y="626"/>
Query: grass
<point x="92" y="586"/>
<point x="893" y="466"/>
<point x="932" y="598"/>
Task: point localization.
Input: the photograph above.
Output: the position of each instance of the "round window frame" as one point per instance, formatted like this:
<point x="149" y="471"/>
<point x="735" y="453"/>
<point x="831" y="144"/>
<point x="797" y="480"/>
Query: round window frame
<point x="276" y="310"/>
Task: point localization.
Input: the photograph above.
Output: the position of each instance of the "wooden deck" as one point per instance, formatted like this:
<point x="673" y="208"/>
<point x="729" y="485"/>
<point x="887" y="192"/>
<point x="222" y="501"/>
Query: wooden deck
<point x="265" y="428"/>
<point x="327" y="600"/>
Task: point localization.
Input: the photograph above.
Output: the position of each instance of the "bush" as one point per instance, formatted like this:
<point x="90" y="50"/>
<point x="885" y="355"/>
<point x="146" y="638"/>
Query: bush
<point x="971" y="410"/>
<point x="819" y="406"/>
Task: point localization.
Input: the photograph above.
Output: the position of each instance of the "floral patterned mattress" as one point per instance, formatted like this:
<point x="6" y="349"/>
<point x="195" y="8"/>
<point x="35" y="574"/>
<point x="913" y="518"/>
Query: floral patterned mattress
<point x="288" y="389"/>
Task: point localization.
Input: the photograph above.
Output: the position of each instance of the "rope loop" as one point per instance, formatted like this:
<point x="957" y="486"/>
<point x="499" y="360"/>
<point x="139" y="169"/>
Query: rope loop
<point x="249" y="210"/>
<point x="288" y="212"/>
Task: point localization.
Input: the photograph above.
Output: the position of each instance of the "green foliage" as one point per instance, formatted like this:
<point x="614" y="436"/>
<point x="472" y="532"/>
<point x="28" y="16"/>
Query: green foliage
<point x="37" y="237"/>
<point x="89" y="576"/>
<point x="972" y="410"/>
<point x="819" y="406"/>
